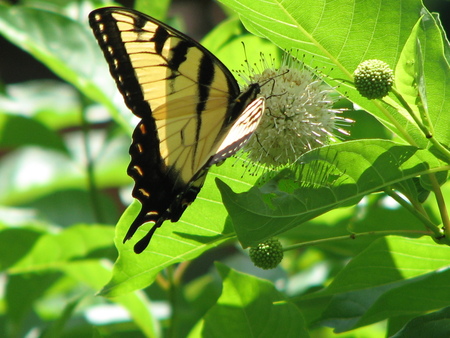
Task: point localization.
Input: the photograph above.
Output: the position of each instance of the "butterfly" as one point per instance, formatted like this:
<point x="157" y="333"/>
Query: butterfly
<point x="192" y="113"/>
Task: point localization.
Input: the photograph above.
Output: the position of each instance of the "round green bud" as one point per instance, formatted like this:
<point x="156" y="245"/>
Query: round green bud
<point x="267" y="255"/>
<point x="373" y="79"/>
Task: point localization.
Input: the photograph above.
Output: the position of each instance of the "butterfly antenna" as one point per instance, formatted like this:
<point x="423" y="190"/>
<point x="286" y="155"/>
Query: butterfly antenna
<point x="246" y="59"/>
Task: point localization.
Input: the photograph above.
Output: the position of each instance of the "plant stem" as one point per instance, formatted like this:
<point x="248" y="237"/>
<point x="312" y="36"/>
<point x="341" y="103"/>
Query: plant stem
<point x="162" y="282"/>
<point x="388" y="115"/>
<point x="441" y="204"/>
<point x="353" y="236"/>
<point x="422" y="127"/>
<point x="394" y="121"/>
<point x="438" y="233"/>
<point x="92" y="186"/>
<point x="172" y="295"/>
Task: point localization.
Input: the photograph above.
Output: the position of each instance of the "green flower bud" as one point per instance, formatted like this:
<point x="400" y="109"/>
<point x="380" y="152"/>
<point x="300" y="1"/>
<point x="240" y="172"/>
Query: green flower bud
<point x="267" y="255"/>
<point x="373" y="79"/>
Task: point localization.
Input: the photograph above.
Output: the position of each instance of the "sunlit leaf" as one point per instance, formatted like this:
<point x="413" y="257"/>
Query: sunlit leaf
<point x="54" y="251"/>
<point x="329" y="177"/>
<point x="203" y="226"/>
<point x="436" y="324"/>
<point x="389" y="260"/>
<point x="251" y="307"/>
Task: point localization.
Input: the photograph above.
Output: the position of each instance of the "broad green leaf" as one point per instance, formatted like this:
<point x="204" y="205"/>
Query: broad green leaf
<point x="250" y="307"/>
<point x="57" y="327"/>
<point x="16" y="243"/>
<point x="94" y="274"/>
<point x="53" y="103"/>
<point x="21" y="292"/>
<point x="407" y="298"/>
<point x="339" y="35"/>
<point x="54" y="251"/>
<point x="386" y="261"/>
<point x="140" y="310"/>
<point x="156" y="9"/>
<point x="423" y="70"/>
<point x="197" y="298"/>
<point x="435" y="82"/>
<point x="381" y="285"/>
<point x="203" y="226"/>
<point x="435" y="324"/>
<point x="374" y="218"/>
<point x="30" y="173"/>
<point x="365" y="126"/>
<point x="343" y="311"/>
<point x="355" y="309"/>
<point x="235" y="47"/>
<point x="16" y="131"/>
<point x="69" y="207"/>
<point x="406" y="76"/>
<point x="66" y="47"/>
<point x="328" y="177"/>
<point x="395" y="324"/>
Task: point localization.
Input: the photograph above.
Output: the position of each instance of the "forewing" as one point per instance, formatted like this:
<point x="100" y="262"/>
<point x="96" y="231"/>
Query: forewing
<point x="181" y="92"/>
<point x="162" y="72"/>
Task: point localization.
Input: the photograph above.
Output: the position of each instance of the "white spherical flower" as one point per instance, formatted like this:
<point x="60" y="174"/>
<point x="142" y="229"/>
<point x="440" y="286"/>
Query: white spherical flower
<point x="298" y="115"/>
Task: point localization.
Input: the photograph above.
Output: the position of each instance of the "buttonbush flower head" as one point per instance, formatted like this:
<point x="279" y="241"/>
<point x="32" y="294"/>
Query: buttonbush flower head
<point x="267" y="255"/>
<point x="298" y="115"/>
<point x="373" y="79"/>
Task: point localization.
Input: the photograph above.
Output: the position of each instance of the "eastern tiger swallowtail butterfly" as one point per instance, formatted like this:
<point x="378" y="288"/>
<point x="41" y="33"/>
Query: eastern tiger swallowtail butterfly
<point x="192" y="112"/>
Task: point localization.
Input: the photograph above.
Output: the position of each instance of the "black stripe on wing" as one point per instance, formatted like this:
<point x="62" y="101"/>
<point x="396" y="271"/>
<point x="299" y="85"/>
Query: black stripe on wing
<point x="108" y="37"/>
<point x="189" y="105"/>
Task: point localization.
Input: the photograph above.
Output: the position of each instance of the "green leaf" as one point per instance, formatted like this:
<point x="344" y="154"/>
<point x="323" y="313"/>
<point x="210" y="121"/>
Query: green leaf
<point x="67" y="48"/>
<point x="52" y="103"/>
<point x="251" y="307"/>
<point x="16" y="131"/>
<point x="236" y="48"/>
<point x="203" y="226"/>
<point x="423" y="74"/>
<point x="435" y="81"/>
<point x="364" y="31"/>
<point x="355" y="309"/>
<point x="140" y="310"/>
<point x="387" y="282"/>
<point x="69" y="207"/>
<point x="19" y="296"/>
<point x="54" y="251"/>
<point x="408" y="298"/>
<point x="156" y="9"/>
<point x="375" y="218"/>
<point x="94" y="274"/>
<point x="386" y="261"/>
<point x="57" y="327"/>
<point x="436" y="324"/>
<point x="30" y="172"/>
<point x="328" y="177"/>
<point x="406" y="71"/>
<point x="344" y="311"/>
<point x="16" y="243"/>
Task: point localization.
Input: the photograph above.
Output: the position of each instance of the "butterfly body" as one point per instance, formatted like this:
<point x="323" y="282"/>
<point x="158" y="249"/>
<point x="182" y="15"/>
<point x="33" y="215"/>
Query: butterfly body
<point x="192" y="112"/>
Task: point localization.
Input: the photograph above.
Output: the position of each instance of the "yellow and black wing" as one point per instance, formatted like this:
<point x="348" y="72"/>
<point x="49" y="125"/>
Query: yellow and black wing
<point x="192" y="112"/>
